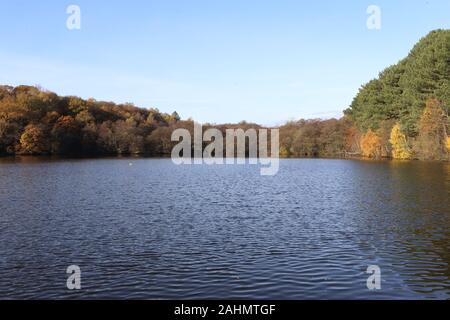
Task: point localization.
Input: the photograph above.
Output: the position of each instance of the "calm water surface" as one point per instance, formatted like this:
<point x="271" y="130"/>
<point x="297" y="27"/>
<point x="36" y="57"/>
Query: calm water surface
<point x="153" y="230"/>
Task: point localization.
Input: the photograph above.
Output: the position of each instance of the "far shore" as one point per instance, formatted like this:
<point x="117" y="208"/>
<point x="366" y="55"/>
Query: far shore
<point x="161" y="157"/>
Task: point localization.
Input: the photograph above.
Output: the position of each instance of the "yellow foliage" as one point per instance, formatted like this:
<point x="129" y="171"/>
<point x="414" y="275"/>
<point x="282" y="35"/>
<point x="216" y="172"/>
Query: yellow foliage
<point x="371" y="145"/>
<point x="400" y="148"/>
<point x="284" y="152"/>
<point x="448" y="143"/>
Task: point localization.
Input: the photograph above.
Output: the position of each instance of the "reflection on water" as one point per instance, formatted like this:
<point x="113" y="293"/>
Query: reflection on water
<point x="155" y="230"/>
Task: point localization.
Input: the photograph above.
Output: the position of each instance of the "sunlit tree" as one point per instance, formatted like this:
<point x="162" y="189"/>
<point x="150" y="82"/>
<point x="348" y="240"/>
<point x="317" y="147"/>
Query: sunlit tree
<point x="371" y="145"/>
<point x="432" y="140"/>
<point x="34" y="140"/>
<point x="400" y="148"/>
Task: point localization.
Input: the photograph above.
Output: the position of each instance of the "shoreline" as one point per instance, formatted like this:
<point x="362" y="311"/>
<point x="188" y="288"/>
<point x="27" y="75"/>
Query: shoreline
<point x="161" y="157"/>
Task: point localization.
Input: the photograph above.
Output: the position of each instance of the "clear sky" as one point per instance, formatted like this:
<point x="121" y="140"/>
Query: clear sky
<point x="213" y="60"/>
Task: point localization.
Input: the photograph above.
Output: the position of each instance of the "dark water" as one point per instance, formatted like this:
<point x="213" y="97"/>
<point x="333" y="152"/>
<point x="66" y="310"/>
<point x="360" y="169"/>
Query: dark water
<point x="155" y="230"/>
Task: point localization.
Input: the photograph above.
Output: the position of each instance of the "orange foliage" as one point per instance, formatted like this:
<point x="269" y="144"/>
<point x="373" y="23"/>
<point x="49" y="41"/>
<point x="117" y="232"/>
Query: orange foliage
<point x="371" y="145"/>
<point x="33" y="140"/>
<point x="432" y="132"/>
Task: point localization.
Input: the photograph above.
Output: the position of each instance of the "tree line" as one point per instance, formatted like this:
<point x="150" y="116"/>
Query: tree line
<point x="403" y="114"/>
<point x="36" y="122"/>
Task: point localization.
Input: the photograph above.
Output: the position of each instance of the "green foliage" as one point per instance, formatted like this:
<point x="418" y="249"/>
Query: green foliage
<point x="401" y="91"/>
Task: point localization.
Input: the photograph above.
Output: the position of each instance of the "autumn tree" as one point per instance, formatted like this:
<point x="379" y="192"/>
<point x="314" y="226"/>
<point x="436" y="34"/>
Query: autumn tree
<point x="432" y="138"/>
<point x="128" y="137"/>
<point x="72" y="125"/>
<point x="400" y="147"/>
<point x="9" y="136"/>
<point x="66" y="136"/>
<point x="159" y="142"/>
<point x="371" y="145"/>
<point x="384" y="133"/>
<point x="106" y="140"/>
<point x="89" y="138"/>
<point x="34" y="140"/>
<point x="352" y="138"/>
<point x="318" y="138"/>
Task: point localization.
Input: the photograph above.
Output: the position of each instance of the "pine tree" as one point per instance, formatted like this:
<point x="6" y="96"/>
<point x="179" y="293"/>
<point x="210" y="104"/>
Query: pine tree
<point x="400" y="92"/>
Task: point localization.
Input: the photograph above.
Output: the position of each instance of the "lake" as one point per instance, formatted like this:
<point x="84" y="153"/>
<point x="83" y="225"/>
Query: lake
<point x="147" y="229"/>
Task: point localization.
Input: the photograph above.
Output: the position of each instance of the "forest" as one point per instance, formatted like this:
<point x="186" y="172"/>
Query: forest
<point x="403" y="114"/>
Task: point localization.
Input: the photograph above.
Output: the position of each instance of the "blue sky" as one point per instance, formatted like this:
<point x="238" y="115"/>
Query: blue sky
<point x="215" y="61"/>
